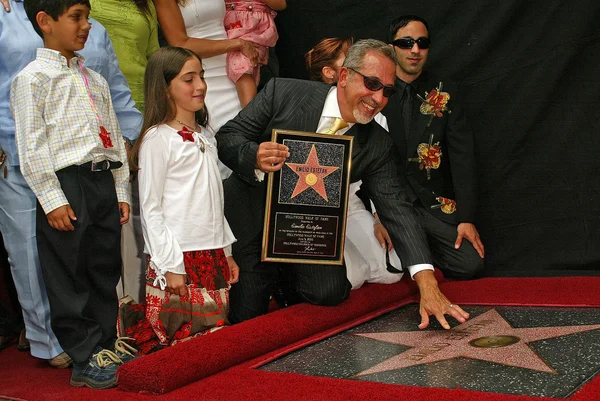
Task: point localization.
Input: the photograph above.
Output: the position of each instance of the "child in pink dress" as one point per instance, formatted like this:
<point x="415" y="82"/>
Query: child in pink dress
<point x="252" y="21"/>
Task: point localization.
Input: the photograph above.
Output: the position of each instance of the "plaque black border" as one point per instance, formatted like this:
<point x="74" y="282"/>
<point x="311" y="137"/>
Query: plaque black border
<point x="273" y="206"/>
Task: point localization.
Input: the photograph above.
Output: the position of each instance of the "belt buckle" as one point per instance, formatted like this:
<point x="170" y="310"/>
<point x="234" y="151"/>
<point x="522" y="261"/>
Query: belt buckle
<point x="100" y="166"/>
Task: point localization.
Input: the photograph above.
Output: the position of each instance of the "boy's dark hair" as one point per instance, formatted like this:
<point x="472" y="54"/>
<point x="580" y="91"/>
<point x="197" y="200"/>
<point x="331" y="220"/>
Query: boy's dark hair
<point x="54" y="8"/>
<point x="401" y="22"/>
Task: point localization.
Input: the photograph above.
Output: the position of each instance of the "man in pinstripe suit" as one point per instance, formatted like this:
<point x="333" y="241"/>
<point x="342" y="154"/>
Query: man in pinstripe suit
<point x="245" y="147"/>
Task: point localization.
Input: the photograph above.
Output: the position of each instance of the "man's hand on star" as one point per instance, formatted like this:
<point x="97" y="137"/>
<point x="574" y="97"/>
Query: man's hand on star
<point x="434" y="302"/>
<point x="468" y="231"/>
<point x="270" y="156"/>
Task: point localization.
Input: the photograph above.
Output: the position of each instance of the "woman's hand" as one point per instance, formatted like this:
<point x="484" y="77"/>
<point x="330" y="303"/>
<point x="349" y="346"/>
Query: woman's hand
<point x="248" y="49"/>
<point x="6" y="5"/>
<point x="381" y="234"/>
<point x="233" y="269"/>
<point x="176" y="284"/>
<point x="277" y="5"/>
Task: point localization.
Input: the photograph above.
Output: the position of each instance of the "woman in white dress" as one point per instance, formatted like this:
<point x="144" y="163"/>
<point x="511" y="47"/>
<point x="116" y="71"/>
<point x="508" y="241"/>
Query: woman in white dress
<point x="367" y="257"/>
<point x="198" y="25"/>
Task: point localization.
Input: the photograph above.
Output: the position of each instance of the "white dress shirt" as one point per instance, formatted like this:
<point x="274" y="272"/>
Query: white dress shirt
<point x="331" y="111"/>
<point x="181" y="197"/>
<point x="56" y="126"/>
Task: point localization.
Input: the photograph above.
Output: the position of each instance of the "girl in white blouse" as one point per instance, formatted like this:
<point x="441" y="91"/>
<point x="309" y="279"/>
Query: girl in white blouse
<point x="186" y="235"/>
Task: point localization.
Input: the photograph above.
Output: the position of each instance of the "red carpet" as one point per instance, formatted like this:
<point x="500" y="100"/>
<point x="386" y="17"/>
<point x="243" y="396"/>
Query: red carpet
<point x="223" y="360"/>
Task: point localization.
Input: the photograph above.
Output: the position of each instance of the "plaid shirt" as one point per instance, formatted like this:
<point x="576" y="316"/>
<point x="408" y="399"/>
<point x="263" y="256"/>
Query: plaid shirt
<point x="56" y="126"/>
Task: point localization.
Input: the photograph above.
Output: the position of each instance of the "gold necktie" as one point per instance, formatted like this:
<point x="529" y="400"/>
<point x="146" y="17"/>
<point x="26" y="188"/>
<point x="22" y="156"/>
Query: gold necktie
<point x="337" y="125"/>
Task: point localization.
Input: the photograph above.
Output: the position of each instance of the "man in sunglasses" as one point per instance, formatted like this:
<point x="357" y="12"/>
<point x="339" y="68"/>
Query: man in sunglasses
<point x="365" y="83"/>
<point x="427" y="122"/>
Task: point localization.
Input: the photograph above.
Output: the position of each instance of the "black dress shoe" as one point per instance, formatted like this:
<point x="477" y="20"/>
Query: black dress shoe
<point x="279" y="297"/>
<point x="283" y="293"/>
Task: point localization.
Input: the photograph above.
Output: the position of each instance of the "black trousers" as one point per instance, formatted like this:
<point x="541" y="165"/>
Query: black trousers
<point x="317" y="284"/>
<point x="462" y="263"/>
<point x="82" y="267"/>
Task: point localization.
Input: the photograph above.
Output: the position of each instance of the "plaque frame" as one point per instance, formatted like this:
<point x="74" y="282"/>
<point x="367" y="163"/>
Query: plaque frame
<point x="281" y="206"/>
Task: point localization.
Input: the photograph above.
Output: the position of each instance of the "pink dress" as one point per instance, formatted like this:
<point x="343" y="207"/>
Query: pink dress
<point x="252" y="21"/>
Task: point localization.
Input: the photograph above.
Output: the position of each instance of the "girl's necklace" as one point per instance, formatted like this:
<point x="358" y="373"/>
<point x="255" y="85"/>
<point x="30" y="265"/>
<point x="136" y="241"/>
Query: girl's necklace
<point x="194" y="126"/>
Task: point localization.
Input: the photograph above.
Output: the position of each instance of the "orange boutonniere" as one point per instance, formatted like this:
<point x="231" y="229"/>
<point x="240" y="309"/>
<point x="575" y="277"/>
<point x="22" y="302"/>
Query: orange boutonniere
<point x="429" y="156"/>
<point x="434" y="103"/>
<point x="448" y="206"/>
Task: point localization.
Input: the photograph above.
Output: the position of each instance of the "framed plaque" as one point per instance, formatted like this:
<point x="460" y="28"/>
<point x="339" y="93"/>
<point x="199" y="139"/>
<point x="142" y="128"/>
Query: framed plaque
<point x="307" y="200"/>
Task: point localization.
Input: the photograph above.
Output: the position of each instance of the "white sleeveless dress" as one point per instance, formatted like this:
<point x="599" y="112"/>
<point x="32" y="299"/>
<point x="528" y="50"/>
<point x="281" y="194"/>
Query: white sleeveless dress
<point x="365" y="259"/>
<point x="204" y="19"/>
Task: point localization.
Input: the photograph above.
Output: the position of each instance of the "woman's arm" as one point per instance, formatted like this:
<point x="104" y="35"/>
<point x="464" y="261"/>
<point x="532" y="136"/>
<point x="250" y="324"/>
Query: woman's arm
<point x="277" y="5"/>
<point x="173" y="26"/>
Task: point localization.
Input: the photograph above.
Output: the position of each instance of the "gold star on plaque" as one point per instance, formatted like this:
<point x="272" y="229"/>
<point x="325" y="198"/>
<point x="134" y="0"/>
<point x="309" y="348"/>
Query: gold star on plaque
<point x="311" y="174"/>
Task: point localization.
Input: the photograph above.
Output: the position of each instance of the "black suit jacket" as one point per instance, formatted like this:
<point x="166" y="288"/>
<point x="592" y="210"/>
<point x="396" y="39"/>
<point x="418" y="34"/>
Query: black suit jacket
<point x="297" y="105"/>
<point x="456" y="177"/>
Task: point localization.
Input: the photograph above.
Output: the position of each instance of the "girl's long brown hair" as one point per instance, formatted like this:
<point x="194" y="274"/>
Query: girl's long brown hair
<point x="163" y="66"/>
<point x="324" y="54"/>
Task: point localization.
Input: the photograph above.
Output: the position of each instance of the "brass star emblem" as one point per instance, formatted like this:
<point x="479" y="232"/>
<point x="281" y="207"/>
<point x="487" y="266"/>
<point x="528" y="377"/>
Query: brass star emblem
<point x="311" y="174"/>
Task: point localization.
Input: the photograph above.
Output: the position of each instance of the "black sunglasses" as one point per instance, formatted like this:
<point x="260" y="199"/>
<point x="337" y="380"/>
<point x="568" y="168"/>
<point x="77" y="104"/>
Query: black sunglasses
<point x="408" y="42"/>
<point x="374" y="84"/>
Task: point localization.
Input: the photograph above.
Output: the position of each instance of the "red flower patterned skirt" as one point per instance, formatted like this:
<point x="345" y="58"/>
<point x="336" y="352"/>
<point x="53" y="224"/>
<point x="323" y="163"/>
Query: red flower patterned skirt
<point x="167" y="318"/>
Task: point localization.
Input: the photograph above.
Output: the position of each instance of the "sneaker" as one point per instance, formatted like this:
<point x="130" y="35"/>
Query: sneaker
<point x="99" y="372"/>
<point x="125" y="351"/>
<point x="61" y="361"/>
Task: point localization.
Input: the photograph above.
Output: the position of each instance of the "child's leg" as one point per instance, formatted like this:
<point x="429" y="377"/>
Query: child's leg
<point x="79" y="268"/>
<point x="66" y="280"/>
<point x="246" y="89"/>
<point x="101" y="253"/>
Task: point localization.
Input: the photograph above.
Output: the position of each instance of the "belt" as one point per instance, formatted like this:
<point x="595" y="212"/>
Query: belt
<point x="101" y="165"/>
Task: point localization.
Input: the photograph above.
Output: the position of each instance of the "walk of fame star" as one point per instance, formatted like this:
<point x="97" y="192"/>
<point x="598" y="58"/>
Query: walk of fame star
<point x="487" y="337"/>
<point x="311" y="174"/>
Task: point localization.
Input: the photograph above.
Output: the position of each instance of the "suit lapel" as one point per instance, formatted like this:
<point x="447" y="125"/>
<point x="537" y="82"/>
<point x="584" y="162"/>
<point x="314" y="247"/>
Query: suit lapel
<point x="310" y="110"/>
<point x="358" y="133"/>
<point x="362" y="148"/>
<point x="393" y="115"/>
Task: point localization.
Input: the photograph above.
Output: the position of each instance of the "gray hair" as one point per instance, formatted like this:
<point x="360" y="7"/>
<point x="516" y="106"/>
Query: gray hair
<point x="356" y="53"/>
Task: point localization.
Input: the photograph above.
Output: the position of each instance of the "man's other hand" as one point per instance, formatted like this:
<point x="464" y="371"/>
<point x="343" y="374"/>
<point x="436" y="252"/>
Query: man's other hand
<point x="468" y="231"/>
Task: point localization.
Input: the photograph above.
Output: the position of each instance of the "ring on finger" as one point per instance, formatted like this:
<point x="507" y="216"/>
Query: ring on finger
<point x="452" y="305"/>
